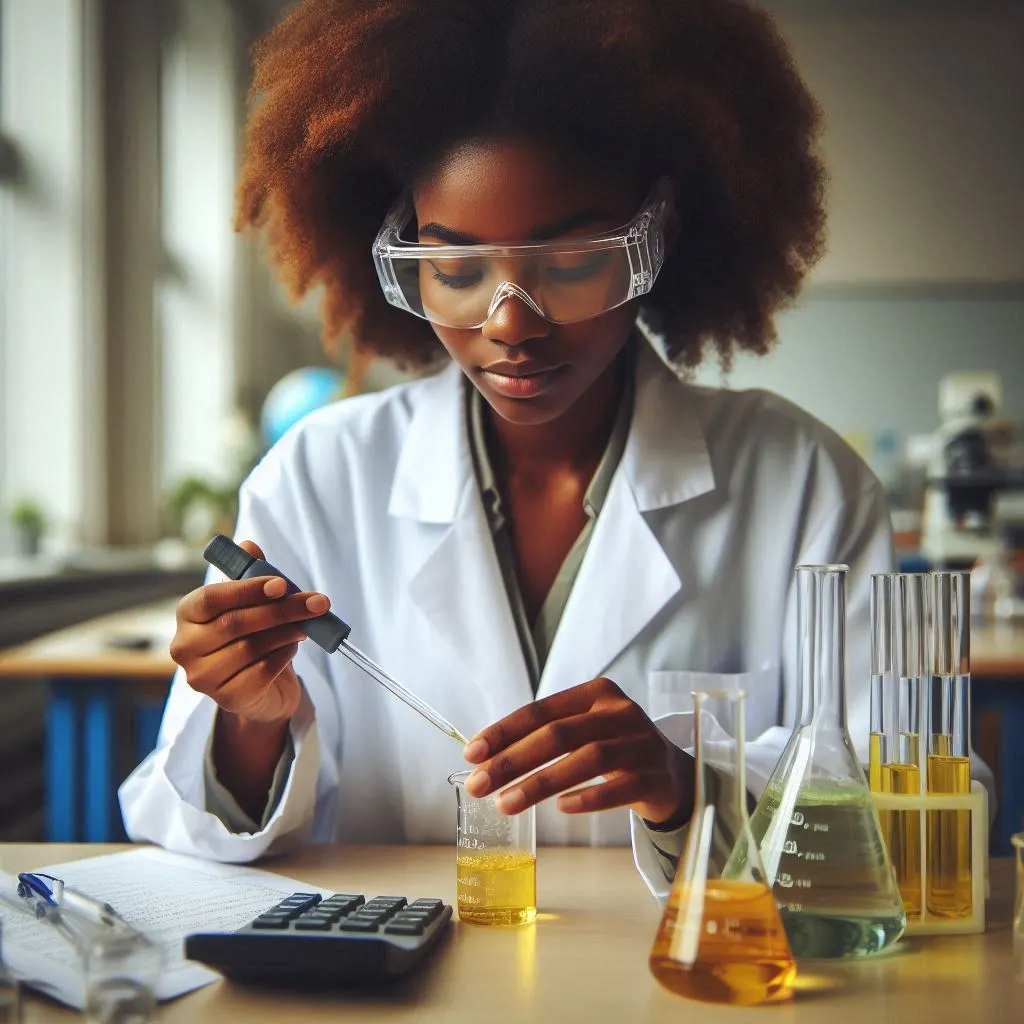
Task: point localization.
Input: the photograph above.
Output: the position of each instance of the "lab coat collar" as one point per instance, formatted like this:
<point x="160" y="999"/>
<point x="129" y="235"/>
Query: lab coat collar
<point x="666" y="460"/>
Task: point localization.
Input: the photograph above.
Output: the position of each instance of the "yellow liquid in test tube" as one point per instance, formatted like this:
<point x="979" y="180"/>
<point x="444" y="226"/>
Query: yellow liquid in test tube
<point x="949" y="841"/>
<point x="496" y="887"/>
<point x="902" y="831"/>
<point x="875" y="762"/>
<point x="724" y="944"/>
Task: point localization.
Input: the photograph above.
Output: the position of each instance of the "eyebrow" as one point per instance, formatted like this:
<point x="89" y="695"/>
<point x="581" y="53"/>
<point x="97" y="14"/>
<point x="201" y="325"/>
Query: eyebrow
<point x="548" y="231"/>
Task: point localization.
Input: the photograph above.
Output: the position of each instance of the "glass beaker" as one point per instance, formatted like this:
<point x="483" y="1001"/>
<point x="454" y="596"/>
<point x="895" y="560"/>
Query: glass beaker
<point x="496" y="860"/>
<point x="720" y="939"/>
<point x="819" y="834"/>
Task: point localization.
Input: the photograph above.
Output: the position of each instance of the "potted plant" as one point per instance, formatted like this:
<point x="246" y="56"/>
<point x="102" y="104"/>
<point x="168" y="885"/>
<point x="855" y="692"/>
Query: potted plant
<point x="198" y="507"/>
<point x="29" y="522"/>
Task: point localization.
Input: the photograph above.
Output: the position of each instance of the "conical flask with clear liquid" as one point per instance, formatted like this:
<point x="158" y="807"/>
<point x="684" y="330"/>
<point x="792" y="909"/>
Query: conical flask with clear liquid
<point x="816" y="825"/>
<point x="721" y="940"/>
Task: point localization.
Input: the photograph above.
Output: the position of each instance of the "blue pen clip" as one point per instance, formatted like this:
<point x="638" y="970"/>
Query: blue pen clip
<point x="40" y="887"/>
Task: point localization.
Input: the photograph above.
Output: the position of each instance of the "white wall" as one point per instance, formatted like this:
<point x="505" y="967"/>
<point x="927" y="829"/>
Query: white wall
<point x="871" y="363"/>
<point x="47" y="428"/>
<point x="924" y="137"/>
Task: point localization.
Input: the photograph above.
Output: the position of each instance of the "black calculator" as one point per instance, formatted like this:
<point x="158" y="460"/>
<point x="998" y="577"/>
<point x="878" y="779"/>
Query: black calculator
<point x="311" y="941"/>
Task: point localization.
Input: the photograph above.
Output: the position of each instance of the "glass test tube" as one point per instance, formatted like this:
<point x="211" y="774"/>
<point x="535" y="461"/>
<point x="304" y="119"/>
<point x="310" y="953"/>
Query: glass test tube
<point x="881" y="729"/>
<point x="901" y="772"/>
<point x="948" y="891"/>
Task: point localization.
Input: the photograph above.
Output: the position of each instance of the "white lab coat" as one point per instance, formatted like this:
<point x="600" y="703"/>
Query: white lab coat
<point x="689" y="574"/>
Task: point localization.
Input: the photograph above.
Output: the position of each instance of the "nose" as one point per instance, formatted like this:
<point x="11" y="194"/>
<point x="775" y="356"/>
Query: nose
<point x="513" y="322"/>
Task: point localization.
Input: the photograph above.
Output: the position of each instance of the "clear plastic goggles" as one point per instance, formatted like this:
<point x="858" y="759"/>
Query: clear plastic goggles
<point x="563" y="281"/>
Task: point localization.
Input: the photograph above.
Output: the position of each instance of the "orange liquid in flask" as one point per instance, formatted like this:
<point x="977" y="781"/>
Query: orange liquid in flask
<point x="728" y="948"/>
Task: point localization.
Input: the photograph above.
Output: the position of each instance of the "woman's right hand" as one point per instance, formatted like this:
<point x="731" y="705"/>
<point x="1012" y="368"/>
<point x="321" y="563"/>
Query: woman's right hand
<point x="236" y="642"/>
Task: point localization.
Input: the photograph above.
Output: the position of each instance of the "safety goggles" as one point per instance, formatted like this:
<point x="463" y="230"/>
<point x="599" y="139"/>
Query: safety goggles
<point x="563" y="281"/>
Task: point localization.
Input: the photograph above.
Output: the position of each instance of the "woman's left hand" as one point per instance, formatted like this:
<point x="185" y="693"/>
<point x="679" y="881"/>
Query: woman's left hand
<point x="603" y="733"/>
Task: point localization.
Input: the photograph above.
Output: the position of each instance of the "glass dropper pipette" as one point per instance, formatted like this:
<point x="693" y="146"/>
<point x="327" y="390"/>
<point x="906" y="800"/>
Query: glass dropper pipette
<point x="327" y="630"/>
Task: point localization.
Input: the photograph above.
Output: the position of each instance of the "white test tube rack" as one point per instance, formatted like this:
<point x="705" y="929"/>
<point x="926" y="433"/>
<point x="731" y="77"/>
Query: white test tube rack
<point x="976" y="802"/>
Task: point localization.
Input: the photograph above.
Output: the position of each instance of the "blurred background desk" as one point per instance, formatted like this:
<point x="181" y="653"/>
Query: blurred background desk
<point x="108" y="681"/>
<point x="997" y="674"/>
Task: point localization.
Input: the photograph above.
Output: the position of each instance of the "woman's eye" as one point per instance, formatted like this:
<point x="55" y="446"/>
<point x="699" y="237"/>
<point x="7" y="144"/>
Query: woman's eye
<point x="579" y="271"/>
<point x="450" y="275"/>
<point x="457" y="280"/>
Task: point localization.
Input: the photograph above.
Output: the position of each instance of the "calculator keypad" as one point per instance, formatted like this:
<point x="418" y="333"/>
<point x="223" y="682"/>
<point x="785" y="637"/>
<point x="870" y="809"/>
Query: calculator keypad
<point x="350" y="913"/>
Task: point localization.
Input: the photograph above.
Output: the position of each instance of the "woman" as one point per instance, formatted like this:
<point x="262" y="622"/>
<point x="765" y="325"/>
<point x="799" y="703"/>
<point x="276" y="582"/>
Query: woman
<point x="553" y="539"/>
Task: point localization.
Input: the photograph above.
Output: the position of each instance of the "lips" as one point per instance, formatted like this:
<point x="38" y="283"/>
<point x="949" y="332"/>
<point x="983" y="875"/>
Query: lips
<point x="520" y="380"/>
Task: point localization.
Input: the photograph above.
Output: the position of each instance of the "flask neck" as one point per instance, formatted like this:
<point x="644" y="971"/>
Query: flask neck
<point x="718" y="751"/>
<point x="821" y="653"/>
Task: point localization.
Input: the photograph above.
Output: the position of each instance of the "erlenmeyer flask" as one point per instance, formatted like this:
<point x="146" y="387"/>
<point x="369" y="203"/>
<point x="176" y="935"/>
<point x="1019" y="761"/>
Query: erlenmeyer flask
<point x="819" y="836"/>
<point x="721" y="940"/>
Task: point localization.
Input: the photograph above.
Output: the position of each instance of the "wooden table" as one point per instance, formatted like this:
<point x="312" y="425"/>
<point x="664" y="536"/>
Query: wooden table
<point x="585" y="959"/>
<point x="86" y="673"/>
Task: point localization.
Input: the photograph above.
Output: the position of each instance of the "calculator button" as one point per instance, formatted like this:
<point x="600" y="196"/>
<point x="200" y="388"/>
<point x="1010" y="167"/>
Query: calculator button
<point x="271" y="922"/>
<point x="316" y="915"/>
<point x="313" y="924"/>
<point x="354" y="924"/>
<point x="378" y="917"/>
<point x="389" y="901"/>
<point x="300" y="901"/>
<point x="398" y="927"/>
<point x="426" y="904"/>
<point x="422" y="913"/>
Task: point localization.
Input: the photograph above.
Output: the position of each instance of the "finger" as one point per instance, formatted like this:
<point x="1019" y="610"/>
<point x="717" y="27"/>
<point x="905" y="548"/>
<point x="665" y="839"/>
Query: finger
<point x="558" y="737"/>
<point x="211" y="671"/>
<point x="194" y="640"/>
<point x="531" y="717"/>
<point x="252" y="548"/>
<point x="209" y="602"/>
<point x="587" y="763"/>
<point x="244" y="693"/>
<point x="618" y="792"/>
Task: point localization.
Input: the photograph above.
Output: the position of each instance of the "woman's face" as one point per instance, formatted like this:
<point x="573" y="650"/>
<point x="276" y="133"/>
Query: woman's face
<point x="529" y="370"/>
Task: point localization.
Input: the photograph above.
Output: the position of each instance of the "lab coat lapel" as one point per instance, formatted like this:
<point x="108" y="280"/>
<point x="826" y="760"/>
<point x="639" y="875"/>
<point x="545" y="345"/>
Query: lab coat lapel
<point x="454" y="580"/>
<point x="626" y="577"/>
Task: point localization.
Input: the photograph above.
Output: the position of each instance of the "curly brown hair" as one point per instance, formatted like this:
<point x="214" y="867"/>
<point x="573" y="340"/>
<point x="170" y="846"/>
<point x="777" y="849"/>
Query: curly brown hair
<point x="352" y="98"/>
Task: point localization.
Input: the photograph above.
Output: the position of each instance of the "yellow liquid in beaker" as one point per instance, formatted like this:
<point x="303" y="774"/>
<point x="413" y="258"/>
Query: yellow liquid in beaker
<point x="496" y="887"/>
<point x="949" y="841"/>
<point x="734" y="952"/>
<point x="902" y="832"/>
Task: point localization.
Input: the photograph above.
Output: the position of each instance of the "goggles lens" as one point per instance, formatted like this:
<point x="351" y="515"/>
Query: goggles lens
<point x="564" y="282"/>
<point x="563" y="287"/>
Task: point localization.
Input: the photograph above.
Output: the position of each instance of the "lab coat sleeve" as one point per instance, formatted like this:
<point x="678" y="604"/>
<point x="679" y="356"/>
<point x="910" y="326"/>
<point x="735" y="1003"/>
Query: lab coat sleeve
<point x="164" y="800"/>
<point x="221" y="802"/>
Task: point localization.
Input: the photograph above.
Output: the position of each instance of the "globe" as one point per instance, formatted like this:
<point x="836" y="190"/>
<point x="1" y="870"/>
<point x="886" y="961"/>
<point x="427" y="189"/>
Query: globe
<point x="296" y="395"/>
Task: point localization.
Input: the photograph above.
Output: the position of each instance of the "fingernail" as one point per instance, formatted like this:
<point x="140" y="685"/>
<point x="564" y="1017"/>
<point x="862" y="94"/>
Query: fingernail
<point x="512" y="801"/>
<point x="317" y="603"/>
<point x="478" y="783"/>
<point x="475" y="751"/>
<point x="570" y="804"/>
<point x="274" y="588"/>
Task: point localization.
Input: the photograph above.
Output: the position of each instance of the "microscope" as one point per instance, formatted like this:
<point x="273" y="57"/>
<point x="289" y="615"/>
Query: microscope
<point x="974" y="461"/>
